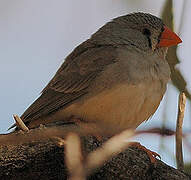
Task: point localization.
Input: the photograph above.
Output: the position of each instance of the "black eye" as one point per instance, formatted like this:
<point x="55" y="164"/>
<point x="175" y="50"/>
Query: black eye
<point x="146" y="32"/>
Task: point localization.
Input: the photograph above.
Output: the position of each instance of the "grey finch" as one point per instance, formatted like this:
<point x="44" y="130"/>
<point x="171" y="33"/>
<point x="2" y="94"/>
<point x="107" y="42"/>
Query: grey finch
<point x="111" y="82"/>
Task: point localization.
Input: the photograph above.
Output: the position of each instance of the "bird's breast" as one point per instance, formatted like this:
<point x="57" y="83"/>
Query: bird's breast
<point x="124" y="106"/>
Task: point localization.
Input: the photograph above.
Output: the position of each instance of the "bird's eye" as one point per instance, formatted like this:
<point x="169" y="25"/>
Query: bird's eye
<point x="146" y="32"/>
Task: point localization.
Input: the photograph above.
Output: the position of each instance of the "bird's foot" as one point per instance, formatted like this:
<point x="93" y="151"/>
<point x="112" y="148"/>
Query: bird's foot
<point x="152" y="155"/>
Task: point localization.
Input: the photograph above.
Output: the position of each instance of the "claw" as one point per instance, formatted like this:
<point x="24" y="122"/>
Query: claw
<point x="152" y="155"/>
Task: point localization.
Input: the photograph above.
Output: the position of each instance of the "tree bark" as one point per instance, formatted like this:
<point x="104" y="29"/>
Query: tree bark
<point x="44" y="159"/>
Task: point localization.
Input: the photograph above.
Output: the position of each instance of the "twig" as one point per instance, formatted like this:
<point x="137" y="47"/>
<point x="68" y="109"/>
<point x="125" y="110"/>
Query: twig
<point x="20" y="124"/>
<point x="110" y="148"/>
<point x="164" y="131"/>
<point x="74" y="157"/>
<point x="95" y="159"/>
<point x="39" y="134"/>
<point x="181" y="109"/>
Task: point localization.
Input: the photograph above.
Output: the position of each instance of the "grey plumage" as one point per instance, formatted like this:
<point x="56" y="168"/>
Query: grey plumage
<point x="119" y="62"/>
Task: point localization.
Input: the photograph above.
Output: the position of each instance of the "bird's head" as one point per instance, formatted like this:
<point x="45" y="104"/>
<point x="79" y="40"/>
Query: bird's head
<point x="140" y="30"/>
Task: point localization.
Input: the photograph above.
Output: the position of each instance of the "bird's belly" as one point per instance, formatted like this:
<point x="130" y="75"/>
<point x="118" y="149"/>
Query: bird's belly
<point x="122" y="107"/>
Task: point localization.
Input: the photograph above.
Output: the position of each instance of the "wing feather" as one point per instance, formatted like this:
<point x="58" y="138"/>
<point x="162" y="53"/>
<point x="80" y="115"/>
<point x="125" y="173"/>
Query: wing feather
<point x="71" y="80"/>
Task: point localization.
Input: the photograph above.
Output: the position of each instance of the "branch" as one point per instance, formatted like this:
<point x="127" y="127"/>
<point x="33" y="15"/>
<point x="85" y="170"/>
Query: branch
<point x="30" y="158"/>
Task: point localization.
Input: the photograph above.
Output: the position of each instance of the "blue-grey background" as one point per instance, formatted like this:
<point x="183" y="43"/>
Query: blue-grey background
<point x="36" y="36"/>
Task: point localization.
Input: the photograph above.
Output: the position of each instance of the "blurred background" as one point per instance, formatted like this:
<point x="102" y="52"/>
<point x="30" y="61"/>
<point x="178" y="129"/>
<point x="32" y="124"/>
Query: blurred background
<point x="36" y="36"/>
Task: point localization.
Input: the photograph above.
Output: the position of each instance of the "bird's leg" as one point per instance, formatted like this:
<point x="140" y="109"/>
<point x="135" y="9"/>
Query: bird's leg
<point x="152" y="155"/>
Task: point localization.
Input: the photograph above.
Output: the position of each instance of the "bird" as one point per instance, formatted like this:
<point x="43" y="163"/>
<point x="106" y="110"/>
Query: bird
<point x="113" y="81"/>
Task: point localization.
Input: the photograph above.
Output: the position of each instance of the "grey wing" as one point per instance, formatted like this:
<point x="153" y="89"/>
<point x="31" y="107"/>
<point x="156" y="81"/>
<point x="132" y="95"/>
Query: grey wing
<point x="71" y="80"/>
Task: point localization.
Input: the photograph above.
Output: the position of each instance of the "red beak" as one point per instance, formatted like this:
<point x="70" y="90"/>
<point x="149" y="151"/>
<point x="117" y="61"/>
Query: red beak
<point x="168" y="38"/>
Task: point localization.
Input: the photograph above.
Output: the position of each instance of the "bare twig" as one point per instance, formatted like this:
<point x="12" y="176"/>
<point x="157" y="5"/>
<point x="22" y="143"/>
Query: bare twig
<point x="110" y="148"/>
<point x="164" y="131"/>
<point x="74" y="157"/>
<point x="20" y="124"/>
<point x="43" y="134"/>
<point x="181" y="109"/>
<point x="40" y="134"/>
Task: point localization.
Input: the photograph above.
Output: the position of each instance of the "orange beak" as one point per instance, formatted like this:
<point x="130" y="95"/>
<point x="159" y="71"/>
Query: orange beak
<point x="168" y="38"/>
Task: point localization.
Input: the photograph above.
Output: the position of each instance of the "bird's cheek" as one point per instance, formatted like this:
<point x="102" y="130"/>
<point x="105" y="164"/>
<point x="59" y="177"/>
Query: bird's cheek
<point x="162" y="52"/>
<point x="154" y="44"/>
